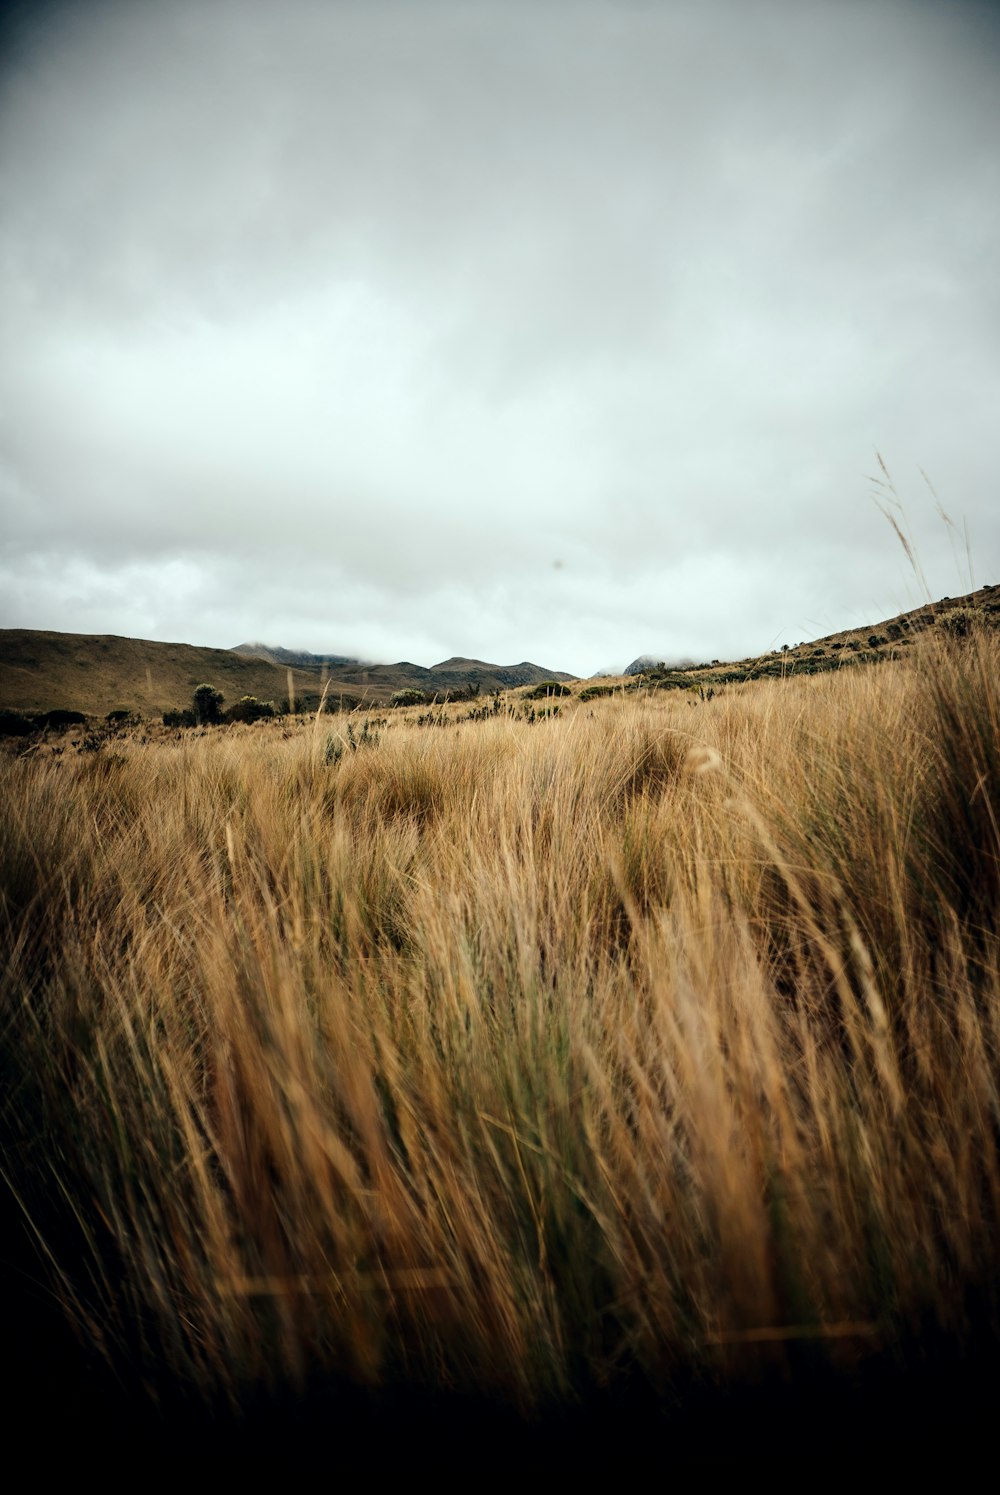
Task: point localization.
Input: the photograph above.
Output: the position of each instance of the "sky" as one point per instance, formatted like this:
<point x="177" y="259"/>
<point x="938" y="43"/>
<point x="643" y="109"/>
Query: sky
<point x="554" y="331"/>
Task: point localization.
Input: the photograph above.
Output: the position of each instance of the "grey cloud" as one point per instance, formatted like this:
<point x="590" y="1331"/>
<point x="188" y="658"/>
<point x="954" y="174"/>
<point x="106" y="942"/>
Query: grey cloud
<point x="409" y="301"/>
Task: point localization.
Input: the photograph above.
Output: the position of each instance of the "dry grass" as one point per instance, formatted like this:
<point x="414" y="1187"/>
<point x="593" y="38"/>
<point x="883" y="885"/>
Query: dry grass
<point x="647" y="1041"/>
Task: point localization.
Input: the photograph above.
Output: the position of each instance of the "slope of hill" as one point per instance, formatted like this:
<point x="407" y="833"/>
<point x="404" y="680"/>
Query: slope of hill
<point x="868" y="644"/>
<point x="97" y="673"/>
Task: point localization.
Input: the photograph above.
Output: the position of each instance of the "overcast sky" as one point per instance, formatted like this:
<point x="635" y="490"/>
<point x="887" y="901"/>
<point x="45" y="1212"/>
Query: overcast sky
<point x="564" y="332"/>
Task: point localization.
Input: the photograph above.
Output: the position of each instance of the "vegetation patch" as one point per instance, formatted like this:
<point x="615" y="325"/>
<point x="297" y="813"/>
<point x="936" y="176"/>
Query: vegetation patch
<point x="16" y="724"/>
<point x="249" y="709"/>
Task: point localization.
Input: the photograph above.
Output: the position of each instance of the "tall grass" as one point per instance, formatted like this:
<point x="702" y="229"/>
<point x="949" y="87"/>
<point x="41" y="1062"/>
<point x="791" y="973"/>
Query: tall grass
<point x="646" y="1042"/>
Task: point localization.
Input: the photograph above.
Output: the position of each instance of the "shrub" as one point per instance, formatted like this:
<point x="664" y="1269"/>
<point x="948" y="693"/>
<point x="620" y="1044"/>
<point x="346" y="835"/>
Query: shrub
<point x="94" y="741"/>
<point x="546" y="688"/>
<point x="874" y="639"/>
<point x="408" y="697"/>
<point x="249" y="709"/>
<point x="207" y="704"/>
<point x="57" y="719"/>
<point x="368" y="737"/>
<point x="121" y="718"/>
<point x="179" y="719"/>
<point x="961" y="621"/>
<point x="14" y="724"/>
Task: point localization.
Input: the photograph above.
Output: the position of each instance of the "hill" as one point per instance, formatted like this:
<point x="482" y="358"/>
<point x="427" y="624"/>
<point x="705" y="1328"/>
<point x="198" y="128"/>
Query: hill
<point x="97" y="673"/>
<point x="871" y="643"/>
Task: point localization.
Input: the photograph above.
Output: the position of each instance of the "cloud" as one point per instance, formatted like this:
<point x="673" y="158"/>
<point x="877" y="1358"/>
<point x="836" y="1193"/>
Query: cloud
<point x="339" y="324"/>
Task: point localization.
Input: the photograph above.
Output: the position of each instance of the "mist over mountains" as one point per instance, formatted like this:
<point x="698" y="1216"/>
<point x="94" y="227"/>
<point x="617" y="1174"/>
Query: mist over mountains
<point x="293" y="657"/>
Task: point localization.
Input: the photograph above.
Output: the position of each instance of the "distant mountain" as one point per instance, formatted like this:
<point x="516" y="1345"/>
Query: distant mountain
<point x="450" y="675"/>
<point x="650" y="662"/>
<point x="524" y="673"/>
<point x="293" y="657"/>
<point x="644" y="662"/>
<point x="455" y="673"/>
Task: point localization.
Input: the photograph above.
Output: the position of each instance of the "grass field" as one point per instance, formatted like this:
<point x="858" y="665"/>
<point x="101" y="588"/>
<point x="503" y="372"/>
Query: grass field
<point x="646" y="1047"/>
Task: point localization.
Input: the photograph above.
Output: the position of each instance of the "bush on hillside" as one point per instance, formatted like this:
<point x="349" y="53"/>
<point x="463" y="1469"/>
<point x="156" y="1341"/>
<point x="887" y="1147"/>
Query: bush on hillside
<point x="16" y="724"/>
<point x="961" y="621"/>
<point x="408" y="697"/>
<point x="58" y="719"/>
<point x="207" y="705"/>
<point x="546" y="688"/>
<point x="249" y="709"/>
